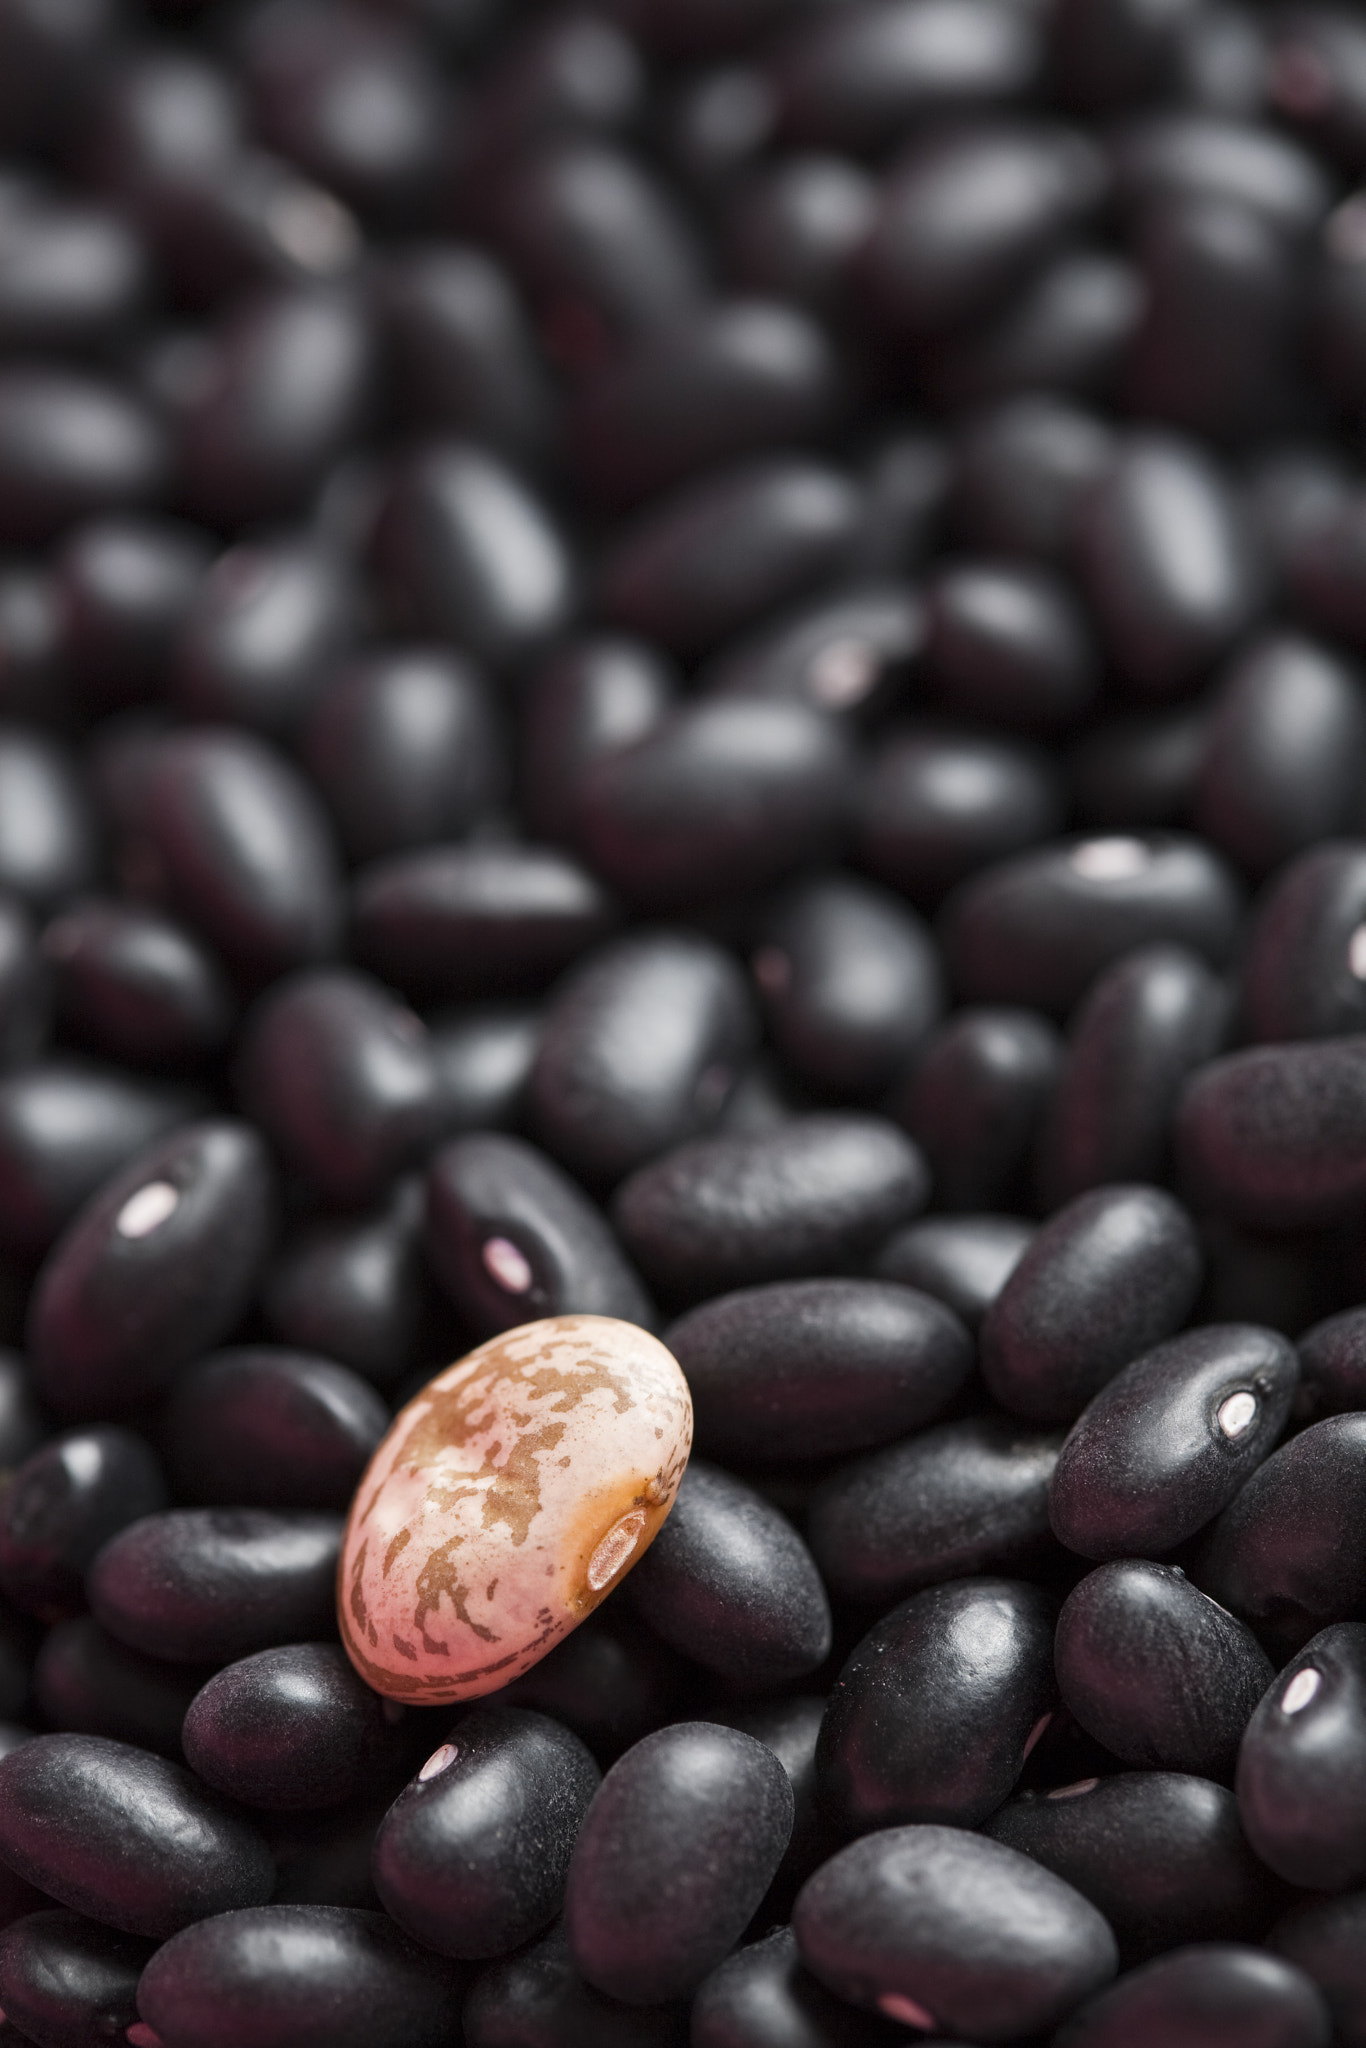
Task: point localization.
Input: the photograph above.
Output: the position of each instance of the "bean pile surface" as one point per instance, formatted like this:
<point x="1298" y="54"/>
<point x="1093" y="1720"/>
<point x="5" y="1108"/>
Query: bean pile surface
<point x="688" y="671"/>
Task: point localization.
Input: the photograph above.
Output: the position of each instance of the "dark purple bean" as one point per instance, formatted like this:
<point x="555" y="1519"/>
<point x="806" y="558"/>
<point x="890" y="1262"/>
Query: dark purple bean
<point x="72" y="446"/>
<point x="1302" y="1765"/>
<point x="537" y="1999"/>
<point x="406" y="748"/>
<point x="906" y="480"/>
<point x="1160" y="509"/>
<point x="339" y="1076"/>
<point x="457" y="921"/>
<point x="48" y="846"/>
<point x="22" y="1427"/>
<point x="791" y="1726"/>
<point x="577" y="74"/>
<point x="814" y="1368"/>
<point x="511" y="1238"/>
<point x="1069" y="329"/>
<point x="322" y="1857"/>
<point x="719" y="122"/>
<point x="1140" y="770"/>
<point x="610" y="1681"/>
<point x="125" y="586"/>
<point x="1039" y="928"/>
<point x="34" y="677"/>
<point x="1299" y="976"/>
<point x="1112" y="54"/>
<point x="964" y="1261"/>
<point x="464" y="552"/>
<point x="726" y="795"/>
<point x="738" y="378"/>
<point x="939" y="802"/>
<point x="1324" y="1939"/>
<point x="159" y="1265"/>
<point x="287" y="1728"/>
<point x="1161" y="1854"/>
<point x="86" y="1682"/>
<point x="1198" y="1996"/>
<point x="714" y="557"/>
<point x="66" y="1499"/>
<point x="1008" y="644"/>
<point x="674" y="1854"/>
<point x="1273" y="1137"/>
<point x="239" y="846"/>
<point x="124" y="1836"/>
<point x="1147" y="1024"/>
<point x="353" y="1289"/>
<point x="1166" y="1445"/>
<point x="265" y="1428"/>
<point x="135" y="986"/>
<point x="267" y="626"/>
<point x="460" y="355"/>
<point x="729" y="1582"/>
<point x="484" y="1055"/>
<point x="472" y="1858"/>
<point x="1324" y="570"/>
<point x="1182" y="154"/>
<point x="301" y="1973"/>
<point x="938" y="1707"/>
<point x="733" y="1211"/>
<point x="591" y="697"/>
<point x="1107" y="1277"/>
<point x="848" y="653"/>
<point x="196" y="1585"/>
<point x="245" y="224"/>
<point x="937" y="1928"/>
<point x="1291" y="491"/>
<point x="1289" y="1552"/>
<point x="65" y="1128"/>
<point x="640" y="1047"/>
<point x="67" y="1979"/>
<point x="1023" y="472"/>
<point x="964" y="1498"/>
<point x="969" y="213"/>
<point x="793" y="228"/>
<point x="1332" y="1367"/>
<point x="976" y="1100"/>
<point x="763" y="1997"/>
<point x="157" y="115"/>
<point x="1156" y="1671"/>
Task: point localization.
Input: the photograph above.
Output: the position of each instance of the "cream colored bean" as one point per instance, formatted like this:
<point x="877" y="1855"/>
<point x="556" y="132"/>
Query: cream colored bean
<point x="506" y="1501"/>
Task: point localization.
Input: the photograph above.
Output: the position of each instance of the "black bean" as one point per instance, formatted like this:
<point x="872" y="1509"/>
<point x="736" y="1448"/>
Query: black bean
<point x="575" y="75"/>
<point x="196" y="1585"/>
<point x="1184" y="154"/>
<point x="484" y="1055"/>
<point x="1323" y="569"/>
<point x="287" y="1728"/>
<point x="1038" y="929"/>
<point x="610" y="1681"/>
<point x="24" y="992"/>
<point x="674" y="1854"/>
<point x="1299" y="979"/>
<point x="86" y="1682"/>
<point x="736" y="379"/>
<point x="1161" y="1854"/>
<point x="970" y="213"/>
<point x="455" y="921"/>
<point x="791" y="1727"/>
<point x="937" y="1928"/>
<point x="1272" y="1137"/>
<point x="265" y="1428"/>
<point x="717" y="554"/>
<point x="1154" y="1018"/>
<point x="538" y="2000"/>
<point x="976" y="1100"/>
<point x="726" y="795"/>
<point x="124" y="1836"/>
<point x="473" y="1857"/>
<point x="464" y="552"/>
<point x="1140" y="770"/>
<point x="592" y="696"/>
<point x="964" y="1261"/>
<point x="733" y="1211"/>
<point x="308" y="1974"/>
<point x="157" y="116"/>
<point x="812" y="1368"/>
<point x="938" y="1707"/>
<point x="66" y="1499"/>
<point x="48" y="846"/>
<point x="1023" y="471"/>
<point x="65" y="1128"/>
<point x="265" y="629"/>
<point x="71" y="446"/>
<point x="1302" y="1765"/>
<point x="66" y="1979"/>
<point x="1332" y="1365"/>
<point x="963" y="1498"/>
<point x="719" y="122"/>
<point x="851" y="652"/>
<point x="22" y="1426"/>
<point x="1323" y="1938"/>
<point x="1007" y="643"/>
<point x="1068" y="329"/>
<point x="939" y="802"/>
<point x="640" y="1047"/>
<point x="1107" y="1277"/>
<point x="1220" y="1992"/>
<point x="511" y="1238"/>
<point x="125" y="585"/>
<point x="1288" y="1552"/>
<point x="906" y="479"/>
<point x="136" y="986"/>
<point x="729" y="1582"/>
<point x="322" y="1857"/>
<point x="762" y="1996"/>
<point x="793" y="228"/>
<point x="1293" y="490"/>
<point x="238" y="844"/>
<point x="352" y="1288"/>
<point x="1161" y="507"/>
<point x="1156" y="1671"/>
<point x="159" y="1265"/>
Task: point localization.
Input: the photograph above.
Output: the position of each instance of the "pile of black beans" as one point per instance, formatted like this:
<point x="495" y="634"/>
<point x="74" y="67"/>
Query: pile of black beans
<point x="695" y="660"/>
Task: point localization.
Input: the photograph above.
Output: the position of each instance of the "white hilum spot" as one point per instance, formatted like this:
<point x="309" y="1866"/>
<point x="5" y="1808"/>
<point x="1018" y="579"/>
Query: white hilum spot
<point x="1110" y="860"/>
<point x="1301" y="1689"/>
<point x="843" y="673"/>
<point x="1237" y="1413"/>
<point x="614" y="1549"/>
<point x="440" y="1760"/>
<point x="505" y="1264"/>
<point x="904" y="2009"/>
<point x="143" y="1212"/>
<point x="1036" y="1731"/>
<point x="1083" y="1785"/>
<point x="1356" y="952"/>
